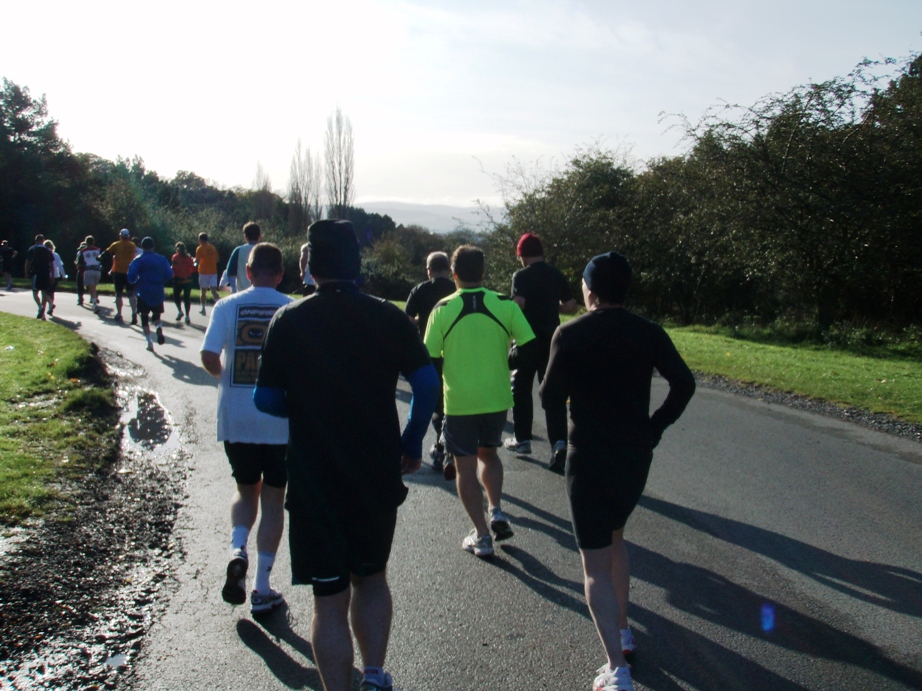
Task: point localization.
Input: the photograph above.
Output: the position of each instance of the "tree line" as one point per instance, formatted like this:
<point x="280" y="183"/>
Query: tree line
<point x="804" y="206"/>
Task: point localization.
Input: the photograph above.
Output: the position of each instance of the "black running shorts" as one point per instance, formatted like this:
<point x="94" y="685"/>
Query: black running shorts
<point x="464" y="434"/>
<point x="329" y="545"/>
<point x="604" y="486"/>
<point x="251" y="463"/>
<point x="121" y="284"/>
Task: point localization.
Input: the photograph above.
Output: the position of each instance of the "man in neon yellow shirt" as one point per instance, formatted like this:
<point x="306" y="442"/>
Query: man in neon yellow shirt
<point x="471" y="331"/>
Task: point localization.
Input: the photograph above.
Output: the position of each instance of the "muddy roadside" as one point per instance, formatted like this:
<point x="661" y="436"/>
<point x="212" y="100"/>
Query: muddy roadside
<point x="77" y="596"/>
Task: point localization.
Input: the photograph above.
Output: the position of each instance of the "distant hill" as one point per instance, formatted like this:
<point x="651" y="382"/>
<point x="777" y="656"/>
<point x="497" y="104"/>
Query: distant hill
<point x="436" y="217"/>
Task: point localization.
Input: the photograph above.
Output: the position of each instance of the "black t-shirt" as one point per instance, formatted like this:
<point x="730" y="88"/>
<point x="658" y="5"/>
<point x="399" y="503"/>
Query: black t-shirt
<point x="7" y="254"/>
<point x="543" y="288"/>
<point x="424" y="297"/>
<point x="604" y="361"/>
<point x="338" y="354"/>
<point x="42" y="260"/>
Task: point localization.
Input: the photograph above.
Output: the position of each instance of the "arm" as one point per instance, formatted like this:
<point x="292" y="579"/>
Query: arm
<point x="271" y="400"/>
<point x="425" y="385"/>
<point x="520" y="301"/>
<point x="681" y="388"/>
<point x="555" y="388"/>
<point x="212" y="363"/>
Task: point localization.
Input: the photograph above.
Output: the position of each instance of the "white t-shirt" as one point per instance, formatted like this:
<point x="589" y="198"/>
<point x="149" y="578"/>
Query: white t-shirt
<point x="237" y="329"/>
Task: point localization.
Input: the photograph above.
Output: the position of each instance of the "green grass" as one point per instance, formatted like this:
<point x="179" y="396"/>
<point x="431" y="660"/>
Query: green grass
<point x="58" y="418"/>
<point x="884" y="379"/>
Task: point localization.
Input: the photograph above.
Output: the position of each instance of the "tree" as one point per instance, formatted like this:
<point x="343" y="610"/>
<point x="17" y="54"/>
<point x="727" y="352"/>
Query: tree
<point x="264" y="199"/>
<point x="304" y="183"/>
<point x="340" y="164"/>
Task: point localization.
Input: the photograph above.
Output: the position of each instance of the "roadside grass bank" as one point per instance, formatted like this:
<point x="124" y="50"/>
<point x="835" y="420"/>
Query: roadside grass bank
<point x="879" y="377"/>
<point x="58" y="417"/>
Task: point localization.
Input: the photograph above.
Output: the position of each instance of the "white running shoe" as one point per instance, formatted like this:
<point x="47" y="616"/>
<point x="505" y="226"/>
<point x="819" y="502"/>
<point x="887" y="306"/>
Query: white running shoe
<point x="516" y="446"/>
<point x="499" y="524"/>
<point x="617" y="679"/>
<point x="260" y="603"/>
<point x="628" y="644"/>
<point x="480" y="546"/>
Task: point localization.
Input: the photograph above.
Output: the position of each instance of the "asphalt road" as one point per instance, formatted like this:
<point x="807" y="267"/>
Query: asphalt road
<point x="774" y="549"/>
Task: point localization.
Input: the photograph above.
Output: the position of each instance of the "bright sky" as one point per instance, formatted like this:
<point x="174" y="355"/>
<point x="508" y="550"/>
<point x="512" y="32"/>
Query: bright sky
<point x="437" y="91"/>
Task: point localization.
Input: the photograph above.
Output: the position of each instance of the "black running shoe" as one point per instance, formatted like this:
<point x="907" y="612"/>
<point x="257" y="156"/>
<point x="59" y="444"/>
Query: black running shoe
<point x="559" y="458"/>
<point x="160" y="338"/>
<point x="234" y="590"/>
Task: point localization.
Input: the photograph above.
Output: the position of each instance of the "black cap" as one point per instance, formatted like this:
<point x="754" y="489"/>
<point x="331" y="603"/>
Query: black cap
<point x="333" y="250"/>
<point x="608" y="276"/>
<point x="147" y="243"/>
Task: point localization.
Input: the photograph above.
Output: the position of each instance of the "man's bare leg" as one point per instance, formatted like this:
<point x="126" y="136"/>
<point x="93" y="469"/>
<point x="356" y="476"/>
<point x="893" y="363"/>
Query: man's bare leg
<point x="372" y="610"/>
<point x="490" y="470"/>
<point x="470" y="493"/>
<point x="603" y="601"/>
<point x="332" y="640"/>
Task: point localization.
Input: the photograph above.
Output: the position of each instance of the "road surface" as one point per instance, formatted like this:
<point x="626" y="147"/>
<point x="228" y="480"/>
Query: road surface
<point x="774" y="549"/>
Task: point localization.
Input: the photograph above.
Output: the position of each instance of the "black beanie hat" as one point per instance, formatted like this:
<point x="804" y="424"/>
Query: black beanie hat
<point x="333" y="250"/>
<point x="608" y="276"/>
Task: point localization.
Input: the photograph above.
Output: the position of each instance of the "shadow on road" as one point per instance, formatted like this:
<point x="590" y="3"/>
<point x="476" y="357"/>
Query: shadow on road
<point x="263" y="640"/>
<point x="186" y="371"/>
<point x="714" y="598"/>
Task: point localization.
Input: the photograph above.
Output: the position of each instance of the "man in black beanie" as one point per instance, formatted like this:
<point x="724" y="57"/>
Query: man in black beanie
<point x="603" y="361"/>
<point x="330" y="363"/>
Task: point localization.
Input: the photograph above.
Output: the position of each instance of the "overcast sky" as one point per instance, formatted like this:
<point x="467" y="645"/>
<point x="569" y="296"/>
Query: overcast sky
<point x="441" y="94"/>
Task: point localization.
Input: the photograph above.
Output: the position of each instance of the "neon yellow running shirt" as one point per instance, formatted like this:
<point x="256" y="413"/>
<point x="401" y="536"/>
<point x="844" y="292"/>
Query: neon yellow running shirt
<point x="471" y="330"/>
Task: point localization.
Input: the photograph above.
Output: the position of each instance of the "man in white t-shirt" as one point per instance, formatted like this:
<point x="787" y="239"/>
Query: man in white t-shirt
<point x="255" y="442"/>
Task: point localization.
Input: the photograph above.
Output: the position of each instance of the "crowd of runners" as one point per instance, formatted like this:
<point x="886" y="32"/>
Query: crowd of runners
<point x="296" y="378"/>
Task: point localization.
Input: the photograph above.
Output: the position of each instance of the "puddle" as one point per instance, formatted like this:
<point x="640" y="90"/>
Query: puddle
<point x="117" y="661"/>
<point x="147" y="422"/>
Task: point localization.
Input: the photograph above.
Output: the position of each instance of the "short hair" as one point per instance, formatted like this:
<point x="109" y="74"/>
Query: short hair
<point x="39" y="239"/>
<point x="147" y="243"/>
<point x="438" y="262"/>
<point x="49" y="244"/>
<point x="251" y="231"/>
<point x="467" y="263"/>
<point x="90" y="240"/>
<point x="203" y="237"/>
<point x="265" y="260"/>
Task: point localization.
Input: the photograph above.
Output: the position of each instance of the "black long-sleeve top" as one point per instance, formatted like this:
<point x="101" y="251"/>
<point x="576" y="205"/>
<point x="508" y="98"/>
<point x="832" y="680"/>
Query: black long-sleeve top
<point x="604" y="361"/>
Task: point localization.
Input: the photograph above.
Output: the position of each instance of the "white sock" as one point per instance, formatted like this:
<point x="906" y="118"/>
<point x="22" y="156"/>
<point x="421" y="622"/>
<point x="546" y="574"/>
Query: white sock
<point x="264" y="562"/>
<point x="239" y="536"/>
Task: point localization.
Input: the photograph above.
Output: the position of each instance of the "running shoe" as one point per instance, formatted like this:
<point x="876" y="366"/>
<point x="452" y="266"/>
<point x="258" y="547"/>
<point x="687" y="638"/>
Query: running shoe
<point x="40" y="315"/>
<point x="516" y="446"/>
<point x="368" y="685"/>
<point x="449" y="472"/>
<point x="118" y="319"/>
<point x="9" y="287"/>
<point x="160" y="337"/>
<point x="134" y="318"/>
<point x="628" y="644"/>
<point x="617" y="679"/>
<point x="95" y="307"/>
<point x="51" y="309"/>
<point x="438" y="458"/>
<point x="559" y="458"/>
<point x="188" y="321"/>
<point x="179" y="316"/>
<point x="481" y="546"/>
<point x="150" y="346"/>
<point x="79" y="303"/>
<point x="499" y="524"/>
<point x="234" y="590"/>
<point x="202" y="311"/>
<point x="259" y="603"/>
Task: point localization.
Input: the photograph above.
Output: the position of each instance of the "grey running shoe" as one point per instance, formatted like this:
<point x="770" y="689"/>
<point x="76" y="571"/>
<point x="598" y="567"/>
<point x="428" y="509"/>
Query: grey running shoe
<point x="260" y="603"/>
<point x="559" y="458"/>
<point x="438" y="458"/>
<point x="628" y="644"/>
<point x="499" y="524"/>
<point x="516" y="446"/>
<point x="188" y="321"/>
<point x="202" y="311"/>
<point x="481" y="546"/>
<point x="368" y="685"/>
<point x="234" y="590"/>
<point x="179" y="316"/>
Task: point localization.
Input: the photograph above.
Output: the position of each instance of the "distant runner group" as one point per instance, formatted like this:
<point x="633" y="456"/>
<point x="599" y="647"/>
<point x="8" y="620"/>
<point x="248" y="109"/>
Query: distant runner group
<point x="298" y="377"/>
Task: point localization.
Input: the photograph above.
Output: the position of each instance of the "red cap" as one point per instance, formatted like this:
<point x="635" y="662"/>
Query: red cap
<point x="529" y="246"/>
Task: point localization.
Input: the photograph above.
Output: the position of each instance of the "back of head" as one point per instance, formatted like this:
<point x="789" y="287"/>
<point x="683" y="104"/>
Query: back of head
<point x="147" y="243"/>
<point x="39" y="239"/>
<point x="90" y="240"/>
<point x="124" y="234"/>
<point x="467" y="263"/>
<point x="609" y="276"/>
<point x="438" y="263"/>
<point x="49" y="244"/>
<point x="333" y="250"/>
<point x="265" y="261"/>
<point x="529" y="246"/>
<point x="251" y="232"/>
<point x="203" y="237"/>
<point x="181" y="248"/>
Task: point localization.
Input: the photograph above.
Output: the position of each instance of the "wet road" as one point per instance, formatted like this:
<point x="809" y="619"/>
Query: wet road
<point x="774" y="549"/>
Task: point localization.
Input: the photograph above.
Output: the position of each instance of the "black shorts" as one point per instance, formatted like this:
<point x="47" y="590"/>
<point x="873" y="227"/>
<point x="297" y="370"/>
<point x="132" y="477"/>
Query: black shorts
<point x="153" y="310"/>
<point x="42" y="282"/>
<point x="604" y="486"/>
<point x="122" y="285"/>
<point x="465" y="434"/>
<point x="330" y="544"/>
<point x="251" y="463"/>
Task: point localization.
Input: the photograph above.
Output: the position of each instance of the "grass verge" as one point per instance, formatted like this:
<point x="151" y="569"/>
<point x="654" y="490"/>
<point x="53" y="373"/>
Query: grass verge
<point x="884" y="379"/>
<point x="58" y="417"/>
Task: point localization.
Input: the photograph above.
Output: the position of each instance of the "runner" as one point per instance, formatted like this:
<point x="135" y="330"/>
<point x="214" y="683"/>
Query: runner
<point x="122" y="252"/>
<point x="7" y="255"/>
<point x="57" y="275"/>
<point x="419" y="305"/>
<point x="331" y="363"/>
<point x="471" y="331"/>
<point x="236" y="265"/>
<point x="150" y="272"/>
<point x="88" y="258"/>
<point x="183" y="268"/>
<point x="40" y="268"/>
<point x="308" y="286"/>
<point x="81" y="289"/>
<point x="604" y="361"/>
<point x="206" y="260"/>
<point x="255" y="443"/>
<point x="542" y="292"/>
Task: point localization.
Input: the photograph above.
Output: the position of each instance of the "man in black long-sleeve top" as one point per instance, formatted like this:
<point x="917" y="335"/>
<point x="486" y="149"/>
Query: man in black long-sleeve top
<point x="604" y="361"/>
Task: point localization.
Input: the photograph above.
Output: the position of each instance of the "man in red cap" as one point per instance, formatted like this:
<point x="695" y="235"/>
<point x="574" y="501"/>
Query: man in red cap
<point x="543" y="293"/>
